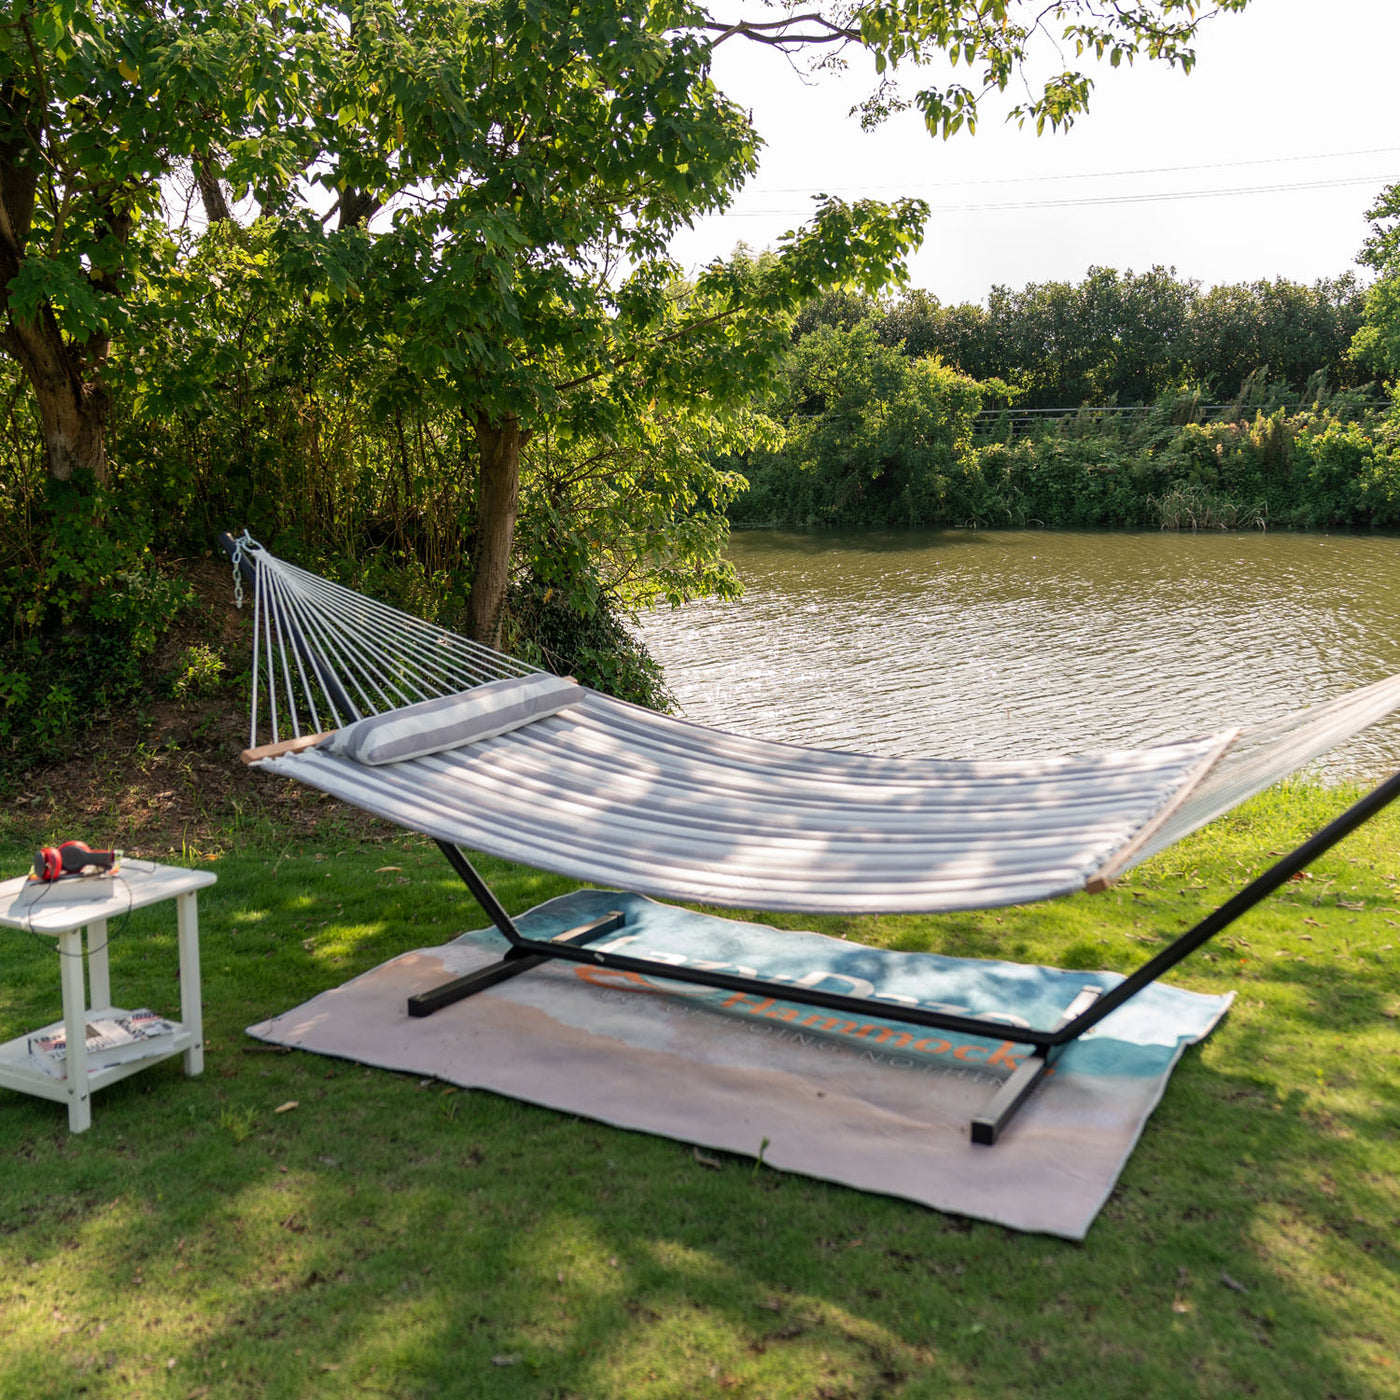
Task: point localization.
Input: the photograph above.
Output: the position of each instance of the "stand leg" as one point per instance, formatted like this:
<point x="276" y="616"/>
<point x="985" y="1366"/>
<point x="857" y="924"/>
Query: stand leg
<point x="75" y="1063"/>
<point x="511" y="965"/>
<point x="191" y="1010"/>
<point x="987" y="1126"/>
<point x="99" y="979"/>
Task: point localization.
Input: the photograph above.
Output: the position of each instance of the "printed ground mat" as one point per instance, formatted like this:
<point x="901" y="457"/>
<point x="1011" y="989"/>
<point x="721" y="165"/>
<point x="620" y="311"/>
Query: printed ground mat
<point x="867" y="1102"/>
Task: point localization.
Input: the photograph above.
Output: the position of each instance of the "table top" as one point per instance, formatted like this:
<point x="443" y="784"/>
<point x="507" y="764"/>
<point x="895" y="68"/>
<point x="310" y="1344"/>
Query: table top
<point x="68" y="904"/>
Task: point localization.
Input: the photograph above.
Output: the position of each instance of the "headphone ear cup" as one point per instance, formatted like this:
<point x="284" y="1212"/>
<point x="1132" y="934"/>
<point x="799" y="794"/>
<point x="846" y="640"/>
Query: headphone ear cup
<point x="48" y="863"/>
<point x="71" y="856"/>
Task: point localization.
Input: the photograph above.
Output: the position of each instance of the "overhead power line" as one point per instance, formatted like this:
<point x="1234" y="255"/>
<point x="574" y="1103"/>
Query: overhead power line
<point x="1089" y="201"/>
<point x="854" y="190"/>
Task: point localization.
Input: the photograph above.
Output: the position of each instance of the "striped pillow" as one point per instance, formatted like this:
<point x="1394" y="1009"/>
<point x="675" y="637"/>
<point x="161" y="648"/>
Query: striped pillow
<point x="450" y="721"/>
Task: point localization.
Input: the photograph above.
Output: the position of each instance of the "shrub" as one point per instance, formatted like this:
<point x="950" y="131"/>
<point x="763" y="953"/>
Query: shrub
<point x="593" y="644"/>
<point x="872" y="437"/>
<point x="200" y="672"/>
<point x="89" y="604"/>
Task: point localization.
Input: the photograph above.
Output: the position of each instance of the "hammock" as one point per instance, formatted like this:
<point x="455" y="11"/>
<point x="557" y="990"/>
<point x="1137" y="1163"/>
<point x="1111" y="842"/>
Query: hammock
<point x="611" y="793"/>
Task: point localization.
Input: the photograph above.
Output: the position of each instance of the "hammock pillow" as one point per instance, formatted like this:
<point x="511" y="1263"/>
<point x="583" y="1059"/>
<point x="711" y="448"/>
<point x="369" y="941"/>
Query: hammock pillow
<point x="450" y="721"/>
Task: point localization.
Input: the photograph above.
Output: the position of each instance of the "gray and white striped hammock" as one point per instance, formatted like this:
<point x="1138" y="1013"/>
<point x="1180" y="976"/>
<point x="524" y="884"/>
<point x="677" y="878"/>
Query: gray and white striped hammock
<point x="614" y="794"/>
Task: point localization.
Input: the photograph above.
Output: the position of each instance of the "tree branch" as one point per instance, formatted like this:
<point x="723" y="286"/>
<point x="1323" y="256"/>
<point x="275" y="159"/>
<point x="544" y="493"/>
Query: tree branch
<point x="782" y="33"/>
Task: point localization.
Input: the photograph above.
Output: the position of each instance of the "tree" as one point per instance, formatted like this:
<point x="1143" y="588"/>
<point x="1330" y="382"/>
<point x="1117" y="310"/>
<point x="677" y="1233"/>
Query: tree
<point x="1282" y="327"/>
<point x="494" y="184"/>
<point x="872" y="436"/>
<point x="1039" y="329"/>
<point x="1131" y="337"/>
<point x="840" y="308"/>
<point x="97" y="107"/>
<point x="1377" y="342"/>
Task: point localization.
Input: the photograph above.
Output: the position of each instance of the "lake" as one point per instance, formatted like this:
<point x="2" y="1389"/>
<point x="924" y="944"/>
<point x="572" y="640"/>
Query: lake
<point x="1012" y="643"/>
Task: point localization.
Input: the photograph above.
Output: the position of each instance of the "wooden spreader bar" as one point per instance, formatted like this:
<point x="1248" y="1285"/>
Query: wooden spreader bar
<point x="302" y="741"/>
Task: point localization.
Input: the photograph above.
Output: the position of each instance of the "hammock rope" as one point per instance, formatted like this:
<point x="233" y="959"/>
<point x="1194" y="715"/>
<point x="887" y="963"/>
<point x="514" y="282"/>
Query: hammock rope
<point x="325" y="656"/>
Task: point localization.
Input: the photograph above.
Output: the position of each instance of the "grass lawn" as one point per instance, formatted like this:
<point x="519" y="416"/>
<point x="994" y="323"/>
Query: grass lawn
<point x="391" y="1237"/>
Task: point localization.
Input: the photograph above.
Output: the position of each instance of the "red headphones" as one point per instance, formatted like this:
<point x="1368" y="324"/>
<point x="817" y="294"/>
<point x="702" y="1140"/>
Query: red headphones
<point x="71" y="858"/>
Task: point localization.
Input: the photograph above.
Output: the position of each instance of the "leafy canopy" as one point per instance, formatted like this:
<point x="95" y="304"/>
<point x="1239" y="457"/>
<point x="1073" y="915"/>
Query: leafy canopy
<point x="494" y="182"/>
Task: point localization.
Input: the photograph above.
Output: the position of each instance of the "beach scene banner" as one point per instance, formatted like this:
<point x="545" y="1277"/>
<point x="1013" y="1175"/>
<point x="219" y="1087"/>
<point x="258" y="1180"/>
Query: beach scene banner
<point x="865" y="1101"/>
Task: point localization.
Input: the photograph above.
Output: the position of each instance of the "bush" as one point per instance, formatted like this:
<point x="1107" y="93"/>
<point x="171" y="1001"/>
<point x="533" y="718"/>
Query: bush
<point x="1317" y="468"/>
<point x="89" y="605"/>
<point x="592" y="644"/>
<point x="200" y="672"/>
<point x="872" y="437"/>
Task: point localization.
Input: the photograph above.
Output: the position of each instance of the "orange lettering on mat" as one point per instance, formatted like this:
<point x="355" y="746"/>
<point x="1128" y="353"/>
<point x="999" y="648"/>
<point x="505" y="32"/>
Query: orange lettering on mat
<point x="885" y="1034"/>
<point x="1005" y="1055"/>
<point x="612" y="977"/>
<point x="829" y="1023"/>
<point x="746" y="1003"/>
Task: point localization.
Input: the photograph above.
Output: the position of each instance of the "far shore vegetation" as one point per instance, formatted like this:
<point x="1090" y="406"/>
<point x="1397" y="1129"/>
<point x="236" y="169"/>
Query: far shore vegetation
<point x="1126" y="400"/>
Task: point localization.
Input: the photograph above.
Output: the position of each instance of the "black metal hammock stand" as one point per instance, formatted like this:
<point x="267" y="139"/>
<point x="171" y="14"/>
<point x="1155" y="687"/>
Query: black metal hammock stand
<point x="446" y="737"/>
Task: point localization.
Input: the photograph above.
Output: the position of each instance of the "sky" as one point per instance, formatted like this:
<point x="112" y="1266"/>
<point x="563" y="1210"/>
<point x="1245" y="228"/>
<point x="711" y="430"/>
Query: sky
<point x="1290" y="122"/>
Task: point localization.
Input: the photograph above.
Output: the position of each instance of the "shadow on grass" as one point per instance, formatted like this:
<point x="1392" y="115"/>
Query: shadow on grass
<point x="385" y="1237"/>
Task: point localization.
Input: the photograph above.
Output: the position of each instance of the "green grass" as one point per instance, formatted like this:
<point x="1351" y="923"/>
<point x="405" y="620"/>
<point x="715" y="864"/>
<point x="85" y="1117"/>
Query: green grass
<point x="390" y="1237"/>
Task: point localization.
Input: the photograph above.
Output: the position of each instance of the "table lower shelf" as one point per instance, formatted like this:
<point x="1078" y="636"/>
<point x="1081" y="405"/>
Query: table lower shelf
<point x="29" y="1073"/>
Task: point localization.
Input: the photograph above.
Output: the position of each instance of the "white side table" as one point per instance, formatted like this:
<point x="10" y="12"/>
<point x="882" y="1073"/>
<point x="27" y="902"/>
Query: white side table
<point x="64" y="909"/>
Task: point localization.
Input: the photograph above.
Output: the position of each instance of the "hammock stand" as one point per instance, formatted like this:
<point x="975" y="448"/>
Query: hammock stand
<point x="296" y="644"/>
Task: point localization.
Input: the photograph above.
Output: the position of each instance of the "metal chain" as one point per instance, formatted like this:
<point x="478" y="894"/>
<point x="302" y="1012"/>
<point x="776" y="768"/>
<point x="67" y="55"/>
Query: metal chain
<point x="244" y="538"/>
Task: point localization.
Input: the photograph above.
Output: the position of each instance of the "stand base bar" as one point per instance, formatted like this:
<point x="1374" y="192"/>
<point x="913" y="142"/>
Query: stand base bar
<point x="511" y="965"/>
<point x="987" y="1126"/>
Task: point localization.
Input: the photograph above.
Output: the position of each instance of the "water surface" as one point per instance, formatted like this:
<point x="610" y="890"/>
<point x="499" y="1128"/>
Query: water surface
<point x="1011" y="643"/>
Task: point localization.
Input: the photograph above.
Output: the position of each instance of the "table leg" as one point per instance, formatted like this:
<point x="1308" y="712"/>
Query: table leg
<point x="99" y="979"/>
<point x="191" y="1011"/>
<point x="75" y="1066"/>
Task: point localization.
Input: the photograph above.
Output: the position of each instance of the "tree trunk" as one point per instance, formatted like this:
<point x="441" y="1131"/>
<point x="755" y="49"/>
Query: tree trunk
<point x="73" y="404"/>
<point x="211" y="192"/>
<point x="74" y="418"/>
<point x="66" y="375"/>
<point x="497" y="496"/>
<point x="357" y="208"/>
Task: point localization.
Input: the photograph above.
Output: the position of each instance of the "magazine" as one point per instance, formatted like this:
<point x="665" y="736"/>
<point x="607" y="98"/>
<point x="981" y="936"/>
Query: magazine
<point x="124" y="1035"/>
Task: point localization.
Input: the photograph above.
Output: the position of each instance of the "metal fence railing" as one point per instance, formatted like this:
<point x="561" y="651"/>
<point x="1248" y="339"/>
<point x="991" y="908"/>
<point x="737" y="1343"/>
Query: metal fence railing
<point x="1013" y="422"/>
